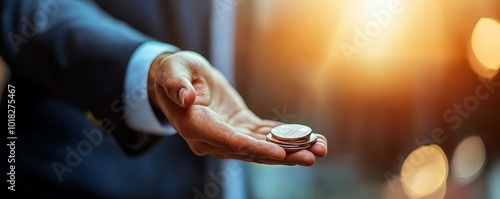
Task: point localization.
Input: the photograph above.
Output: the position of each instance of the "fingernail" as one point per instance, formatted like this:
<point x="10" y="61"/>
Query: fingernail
<point x="182" y="94"/>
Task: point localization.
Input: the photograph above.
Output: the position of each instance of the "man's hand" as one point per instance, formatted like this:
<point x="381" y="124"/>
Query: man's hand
<point x="212" y="117"/>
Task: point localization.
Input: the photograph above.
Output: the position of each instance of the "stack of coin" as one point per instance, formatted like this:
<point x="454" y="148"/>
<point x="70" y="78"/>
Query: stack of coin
<point x="292" y="137"/>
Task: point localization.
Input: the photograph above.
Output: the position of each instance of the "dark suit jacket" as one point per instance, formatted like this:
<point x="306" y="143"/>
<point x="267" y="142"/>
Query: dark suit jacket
<point x="68" y="60"/>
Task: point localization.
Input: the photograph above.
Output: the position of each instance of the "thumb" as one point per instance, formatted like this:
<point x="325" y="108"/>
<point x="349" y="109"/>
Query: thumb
<point x="177" y="84"/>
<point x="181" y="92"/>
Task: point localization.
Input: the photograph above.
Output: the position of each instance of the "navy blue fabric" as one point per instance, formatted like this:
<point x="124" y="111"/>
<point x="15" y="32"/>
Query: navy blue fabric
<point x="74" y="63"/>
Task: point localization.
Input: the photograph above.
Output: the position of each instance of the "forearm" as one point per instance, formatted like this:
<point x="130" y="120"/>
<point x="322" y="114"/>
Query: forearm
<point x="77" y="53"/>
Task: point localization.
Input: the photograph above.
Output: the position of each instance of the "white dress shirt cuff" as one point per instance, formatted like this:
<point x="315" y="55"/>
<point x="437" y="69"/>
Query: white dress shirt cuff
<point x="141" y="116"/>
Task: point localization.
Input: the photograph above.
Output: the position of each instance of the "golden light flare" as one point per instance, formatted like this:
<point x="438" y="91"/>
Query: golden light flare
<point x="385" y="44"/>
<point x="484" y="51"/>
<point x="486" y="42"/>
<point x="468" y="160"/>
<point x="424" y="173"/>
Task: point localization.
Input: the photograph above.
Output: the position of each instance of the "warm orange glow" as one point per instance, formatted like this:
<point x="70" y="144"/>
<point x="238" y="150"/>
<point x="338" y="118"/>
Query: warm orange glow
<point x="384" y="45"/>
<point x="479" y="68"/>
<point x="468" y="160"/>
<point x="391" y="30"/>
<point x="424" y="173"/>
<point x="486" y="43"/>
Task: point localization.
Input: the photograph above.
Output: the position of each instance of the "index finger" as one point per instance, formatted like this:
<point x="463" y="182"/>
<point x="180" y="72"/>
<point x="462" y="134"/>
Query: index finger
<point x="222" y="135"/>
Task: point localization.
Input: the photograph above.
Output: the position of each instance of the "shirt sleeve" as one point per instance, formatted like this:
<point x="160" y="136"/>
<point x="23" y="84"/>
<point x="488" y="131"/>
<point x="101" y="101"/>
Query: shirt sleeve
<point x="142" y="116"/>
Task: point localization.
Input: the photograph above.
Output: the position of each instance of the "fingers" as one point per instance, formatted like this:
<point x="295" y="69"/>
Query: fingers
<point x="202" y="148"/>
<point x="226" y="141"/>
<point x="210" y="128"/>
<point x="320" y="148"/>
<point x="271" y="123"/>
<point x="214" y="137"/>
<point x="229" y="143"/>
<point x="260" y="133"/>
<point x="247" y="145"/>
<point x="302" y="157"/>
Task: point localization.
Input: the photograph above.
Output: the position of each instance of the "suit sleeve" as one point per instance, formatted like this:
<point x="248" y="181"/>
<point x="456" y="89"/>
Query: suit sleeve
<point x="74" y="50"/>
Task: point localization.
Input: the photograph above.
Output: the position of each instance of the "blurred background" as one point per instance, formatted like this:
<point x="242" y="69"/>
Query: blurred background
<point x="381" y="79"/>
<point x="407" y="93"/>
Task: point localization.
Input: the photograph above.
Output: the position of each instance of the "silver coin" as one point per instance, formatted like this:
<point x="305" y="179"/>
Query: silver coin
<point x="293" y="149"/>
<point x="291" y="132"/>
<point x="312" y="139"/>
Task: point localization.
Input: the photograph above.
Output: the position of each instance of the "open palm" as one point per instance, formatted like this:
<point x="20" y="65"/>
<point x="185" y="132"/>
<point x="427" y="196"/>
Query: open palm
<point x="212" y="117"/>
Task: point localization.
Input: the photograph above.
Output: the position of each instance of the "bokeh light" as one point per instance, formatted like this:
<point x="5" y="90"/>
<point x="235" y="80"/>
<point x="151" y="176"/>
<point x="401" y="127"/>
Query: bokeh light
<point x="424" y="173"/>
<point x="468" y="160"/>
<point x="485" y="47"/>
<point x="373" y="76"/>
